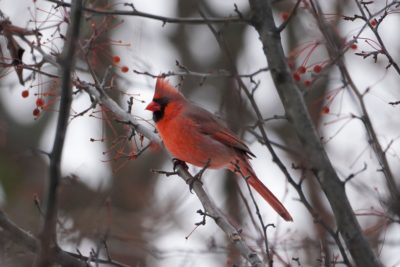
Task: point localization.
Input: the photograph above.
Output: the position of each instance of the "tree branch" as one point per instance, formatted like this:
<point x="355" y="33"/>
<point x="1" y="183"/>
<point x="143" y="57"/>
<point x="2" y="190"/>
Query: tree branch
<point x="136" y="13"/>
<point x="48" y="234"/>
<point x="24" y="239"/>
<point x="102" y="98"/>
<point x="333" y="50"/>
<point x="374" y="29"/>
<point x="223" y="223"/>
<point x="299" y="117"/>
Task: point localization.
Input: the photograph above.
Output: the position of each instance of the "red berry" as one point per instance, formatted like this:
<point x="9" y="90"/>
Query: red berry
<point x="284" y="15"/>
<point x="296" y="76"/>
<point x="124" y="69"/>
<point x="25" y="93"/>
<point x="116" y="59"/>
<point x="325" y="109"/>
<point x="373" y="22"/>
<point x="317" y="68"/>
<point x="301" y="69"/>
<point x="353" y="46"/>
<point x="40" y="102"/>
<point x="36" y="112"/>
<point x="307" y="83"/>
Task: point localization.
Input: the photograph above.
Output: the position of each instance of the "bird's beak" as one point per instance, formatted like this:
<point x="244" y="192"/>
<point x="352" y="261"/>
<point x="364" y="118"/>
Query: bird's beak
<point x="153" y="106"/>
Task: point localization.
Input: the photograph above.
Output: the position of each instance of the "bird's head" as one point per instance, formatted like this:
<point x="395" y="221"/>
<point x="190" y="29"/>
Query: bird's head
<point x="164" y="95"/>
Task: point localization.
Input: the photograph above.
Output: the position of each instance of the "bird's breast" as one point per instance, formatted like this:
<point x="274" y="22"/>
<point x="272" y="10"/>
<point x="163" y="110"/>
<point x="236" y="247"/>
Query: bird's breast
<point x="185" y="141"/>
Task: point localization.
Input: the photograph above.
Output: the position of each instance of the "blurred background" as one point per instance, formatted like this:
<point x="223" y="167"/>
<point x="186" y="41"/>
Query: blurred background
<point x="148" y="219"/>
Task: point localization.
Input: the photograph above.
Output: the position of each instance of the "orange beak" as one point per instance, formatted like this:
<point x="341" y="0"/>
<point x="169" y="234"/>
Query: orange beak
<point x="153" y="106"/>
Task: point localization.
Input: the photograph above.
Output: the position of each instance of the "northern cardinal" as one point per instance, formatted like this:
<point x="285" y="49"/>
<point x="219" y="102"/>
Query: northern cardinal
<point x="194" y="135"/>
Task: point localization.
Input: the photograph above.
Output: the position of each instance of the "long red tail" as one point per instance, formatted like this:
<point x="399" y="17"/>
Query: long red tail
<point x="270" y="198"/>
<point x="264" y="191"/>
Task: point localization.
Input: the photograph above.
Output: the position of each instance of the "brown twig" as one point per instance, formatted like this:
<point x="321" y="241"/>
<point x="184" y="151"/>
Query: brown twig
<point x="260" y="123"/>
<point x="102" y="98"/>
<point x="48" y="236"/>
<point x="260" y="218"/>
<point x="203" y="75"/>
<point x="374" y="29"/>
<point x="136" y="13"/>
<point x="317" y="218"/>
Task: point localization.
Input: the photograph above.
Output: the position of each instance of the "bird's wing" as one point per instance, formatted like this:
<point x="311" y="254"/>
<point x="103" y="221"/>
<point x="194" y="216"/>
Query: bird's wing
<point x="209" y="124"/>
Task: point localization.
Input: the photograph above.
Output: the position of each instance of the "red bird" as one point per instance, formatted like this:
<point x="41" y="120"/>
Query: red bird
<point x="194" y="135"/>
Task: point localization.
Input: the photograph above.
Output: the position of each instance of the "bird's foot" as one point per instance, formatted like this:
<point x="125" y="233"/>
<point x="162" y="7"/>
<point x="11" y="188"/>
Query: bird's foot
<point x="177" y="162"/>
<point x="191" y="182"/>
<point x="205" y="167"/>
<point x="197" y="177"/>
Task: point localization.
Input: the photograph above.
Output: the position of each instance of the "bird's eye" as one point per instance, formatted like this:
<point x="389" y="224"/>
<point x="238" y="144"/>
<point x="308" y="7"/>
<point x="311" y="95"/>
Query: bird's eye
<point x="162" y="101"/>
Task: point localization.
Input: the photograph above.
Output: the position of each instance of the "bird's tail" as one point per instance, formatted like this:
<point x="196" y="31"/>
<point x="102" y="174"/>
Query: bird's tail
<point x="247" y="171"/>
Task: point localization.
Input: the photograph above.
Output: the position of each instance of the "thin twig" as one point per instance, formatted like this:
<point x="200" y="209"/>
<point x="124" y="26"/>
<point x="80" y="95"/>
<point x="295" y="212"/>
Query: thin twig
<point x="374" y="30"/>
<point x="261" y="220"/>
<point x="291" y="15"/>
<point x="102" y="97"/>
<point x="215" y="74"/>
<point x="136" y="13"/>
<point x="260" y="122"/>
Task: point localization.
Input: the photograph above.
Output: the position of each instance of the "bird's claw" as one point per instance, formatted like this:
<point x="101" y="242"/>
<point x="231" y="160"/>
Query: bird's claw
<point x="197" y="177"/>
<point x="177" y="162"/>
<point x="191" y="182"/>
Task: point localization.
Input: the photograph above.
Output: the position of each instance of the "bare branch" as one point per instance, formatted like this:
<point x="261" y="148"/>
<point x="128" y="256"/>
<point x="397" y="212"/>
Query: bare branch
<point x="374" y="29"/>
<point x="48" y="233"/>
<point x="135" y="13"/>
<point x="24" y="239"/>
<point x="203" y="75"/>
<point x="219" y="218"/>
<point x="101" y="97"/>
<point x="298" y="115"/>
<point x="365" y="118"/>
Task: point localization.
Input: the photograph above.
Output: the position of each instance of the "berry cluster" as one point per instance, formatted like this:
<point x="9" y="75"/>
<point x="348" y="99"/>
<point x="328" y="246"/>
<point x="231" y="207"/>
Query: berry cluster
<point x="116" y="60"/>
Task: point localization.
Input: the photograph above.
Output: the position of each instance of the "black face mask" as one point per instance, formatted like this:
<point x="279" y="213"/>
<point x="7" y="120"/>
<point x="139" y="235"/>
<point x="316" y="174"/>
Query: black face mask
<point x="163" y="102"/>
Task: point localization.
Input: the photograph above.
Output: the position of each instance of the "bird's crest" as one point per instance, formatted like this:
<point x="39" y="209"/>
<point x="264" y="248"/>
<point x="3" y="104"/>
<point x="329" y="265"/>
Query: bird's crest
<point x="164" y="89"/>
